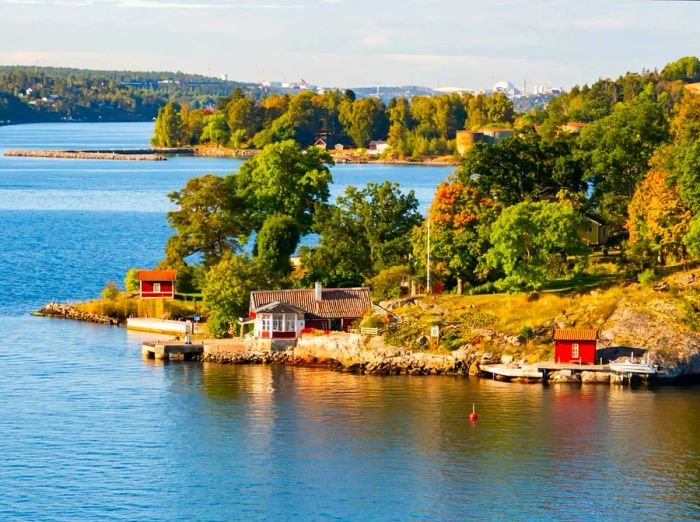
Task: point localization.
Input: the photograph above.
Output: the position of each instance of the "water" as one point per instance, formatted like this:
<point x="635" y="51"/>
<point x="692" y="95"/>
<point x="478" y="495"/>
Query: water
<point x="91" y="431"/>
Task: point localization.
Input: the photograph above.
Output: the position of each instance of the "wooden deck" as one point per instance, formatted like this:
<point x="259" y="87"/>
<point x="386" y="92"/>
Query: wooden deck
<point x="540" y="370"/>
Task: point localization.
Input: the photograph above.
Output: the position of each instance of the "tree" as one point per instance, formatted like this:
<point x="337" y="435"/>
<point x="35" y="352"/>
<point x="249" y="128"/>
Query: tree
<point x="615" y="152"/>
<point x="686" y="69"/>
<point x="461" y="216"/>
<point x="400" y="129"/>
<point x="284" y="179"/>
<point x="209" y="220"/>
<point x="111" y="291"/>
<point x="276" y="242"/>
<point x="366" y="231"/>
<point x="243" y="119"/>
<point x="658" y="219"/>
<point x="215" y="129"/>
<point x="226" y="291"/>
<point x="531" y="242"/>
<point x="522" y="167"/>
<point x="169" y="130"/>
<point x="387" y="283"/>
<point x="131" y="281"/>
<point x="364" y="120"/>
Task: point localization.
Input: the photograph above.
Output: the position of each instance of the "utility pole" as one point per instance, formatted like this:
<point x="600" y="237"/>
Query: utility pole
<point x="428" y="289"/>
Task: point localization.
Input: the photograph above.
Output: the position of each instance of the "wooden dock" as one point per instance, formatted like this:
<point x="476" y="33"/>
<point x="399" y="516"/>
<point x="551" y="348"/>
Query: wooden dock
<point x="540" y="370"/>
<point x="170" y="350"/>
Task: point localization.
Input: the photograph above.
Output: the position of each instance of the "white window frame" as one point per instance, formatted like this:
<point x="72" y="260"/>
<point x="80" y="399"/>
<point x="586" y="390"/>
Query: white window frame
<point x="156" y="288"/>
<point x="575" y="351"/>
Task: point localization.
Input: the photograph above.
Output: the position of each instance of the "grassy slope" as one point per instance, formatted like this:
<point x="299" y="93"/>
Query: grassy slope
<point x="586" y="303"/>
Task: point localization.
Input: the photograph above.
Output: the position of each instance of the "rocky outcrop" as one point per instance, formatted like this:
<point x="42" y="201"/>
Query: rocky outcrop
<point x="80" y="154"/>
<point x="64" y="311"/>
<point x="655" y="328"/>
<point x="356" y="354"/>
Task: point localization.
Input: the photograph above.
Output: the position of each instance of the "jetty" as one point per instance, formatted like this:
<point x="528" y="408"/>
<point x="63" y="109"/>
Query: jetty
<point x="143" y="154"/>
<point x="170" y="350"/>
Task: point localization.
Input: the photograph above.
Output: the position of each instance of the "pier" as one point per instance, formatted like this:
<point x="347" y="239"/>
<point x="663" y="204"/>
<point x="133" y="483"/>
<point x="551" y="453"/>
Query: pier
<point x="145" y="154"/>
<point x="170" y="350"/>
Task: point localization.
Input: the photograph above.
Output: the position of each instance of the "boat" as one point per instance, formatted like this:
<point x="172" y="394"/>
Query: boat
<point x="513" y="371"/>
<point x="630" y="366"/>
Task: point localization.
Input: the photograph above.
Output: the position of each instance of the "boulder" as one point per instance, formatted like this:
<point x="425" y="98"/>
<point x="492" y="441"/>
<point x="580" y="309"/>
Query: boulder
<point x="564" y="376"/>
<point x="595" y="377"/>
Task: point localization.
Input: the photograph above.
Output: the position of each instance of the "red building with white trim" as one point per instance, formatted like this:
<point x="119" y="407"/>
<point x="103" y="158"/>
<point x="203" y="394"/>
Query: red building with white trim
<point x="157" y="283"/>
<point x="575" y="345"/>
<point x="283" y="314"/>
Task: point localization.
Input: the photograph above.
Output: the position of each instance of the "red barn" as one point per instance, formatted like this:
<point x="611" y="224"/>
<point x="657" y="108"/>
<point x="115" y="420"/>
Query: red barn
<point x="157" y="283"/>
<point x="574" y="345"/>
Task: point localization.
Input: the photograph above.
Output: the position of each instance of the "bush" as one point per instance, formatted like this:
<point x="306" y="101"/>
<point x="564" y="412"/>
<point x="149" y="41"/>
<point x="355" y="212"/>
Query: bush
<point x="111" y="291"/>
<point x="218" y="325"/>
<point x="387" y="283"/>
<point x="373" y="321"/>
<point x="478" y="319"/>
<point x="648" y="277"/>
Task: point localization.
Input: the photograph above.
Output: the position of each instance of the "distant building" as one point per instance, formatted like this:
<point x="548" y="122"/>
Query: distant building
<point x="466" y="139"/>
<point x="596" y="231"/>
<point x="575" y="345"/>
<point x="339" y="147"/>
<point x="573" y="127"/>
<point x="378" y="147"/>
<point x="321" y="143"/>
<point x="157" y="283"/>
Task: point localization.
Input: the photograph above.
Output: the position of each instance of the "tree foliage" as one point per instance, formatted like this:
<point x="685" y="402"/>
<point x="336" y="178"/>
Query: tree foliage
<point x="368" y="230"/>
<point x="531" y="242"/>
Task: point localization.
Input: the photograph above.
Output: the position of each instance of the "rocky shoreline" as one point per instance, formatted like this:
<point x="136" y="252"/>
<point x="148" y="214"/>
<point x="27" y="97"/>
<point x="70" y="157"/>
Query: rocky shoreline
<point x="63" y="311"/>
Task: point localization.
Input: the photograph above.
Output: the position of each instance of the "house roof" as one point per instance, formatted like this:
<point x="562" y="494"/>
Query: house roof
<point x="596" y="218"/>
<point x="278" y="308"/>
<point x="157" y="275"/>
<point x="337" y="303"/>
<point x="575" y="334"/>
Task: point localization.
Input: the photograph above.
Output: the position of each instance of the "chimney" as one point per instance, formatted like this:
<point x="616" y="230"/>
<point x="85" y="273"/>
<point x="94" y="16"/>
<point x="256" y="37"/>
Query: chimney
<point x="319" y="291"/>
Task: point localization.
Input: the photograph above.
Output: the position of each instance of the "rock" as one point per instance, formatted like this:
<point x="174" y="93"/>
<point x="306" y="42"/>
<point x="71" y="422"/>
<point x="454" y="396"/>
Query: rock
<point x="506" y="359"/>
<point x="595" y="377"/>
<point x="483" y="332"/>
<point x="515" y="340"/>
<point x="474" y="369"/>
<point x="662" y="287"/>
<point x="686" y="279"/>
<point x="564" y="376"/>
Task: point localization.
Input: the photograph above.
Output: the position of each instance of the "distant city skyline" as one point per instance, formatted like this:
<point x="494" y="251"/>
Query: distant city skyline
<point x="360" y="43"/>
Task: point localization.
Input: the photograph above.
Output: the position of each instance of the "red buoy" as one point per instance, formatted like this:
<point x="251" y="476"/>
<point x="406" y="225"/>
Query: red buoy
<point x="474" y="415"/>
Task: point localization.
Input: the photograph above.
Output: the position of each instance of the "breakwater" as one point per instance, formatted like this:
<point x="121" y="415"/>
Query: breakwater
<point x="146" y="154"/>
<point x="64" y="311"/>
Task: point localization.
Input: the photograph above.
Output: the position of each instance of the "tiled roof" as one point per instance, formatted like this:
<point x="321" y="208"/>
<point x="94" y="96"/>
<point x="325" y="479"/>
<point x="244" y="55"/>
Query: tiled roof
<point x="574" y="334"/>
<point x="157" y="275"/>
<point x="337" y="303"/>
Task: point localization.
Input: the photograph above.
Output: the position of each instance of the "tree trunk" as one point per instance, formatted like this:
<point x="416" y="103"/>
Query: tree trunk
<point x="459" y="286"/>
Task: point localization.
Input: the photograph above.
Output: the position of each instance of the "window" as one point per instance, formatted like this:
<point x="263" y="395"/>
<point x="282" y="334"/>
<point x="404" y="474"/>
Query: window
<point x="156" y="288"/>
<point x="277" y="324"/>
<point x="265" y="323"/>
<point x="574" y="351"/>
<point x="289" y="323"/>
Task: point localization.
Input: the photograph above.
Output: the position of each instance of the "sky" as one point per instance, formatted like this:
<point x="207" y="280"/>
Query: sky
<point x="353" y="43"/>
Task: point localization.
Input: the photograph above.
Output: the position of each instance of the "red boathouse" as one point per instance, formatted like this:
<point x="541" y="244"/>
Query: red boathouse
<point x="575" y="345"/>
<point x="157" y="283"/>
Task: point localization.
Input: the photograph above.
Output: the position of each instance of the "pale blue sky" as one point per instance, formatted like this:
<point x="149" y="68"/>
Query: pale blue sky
<point x="356" y="42"/>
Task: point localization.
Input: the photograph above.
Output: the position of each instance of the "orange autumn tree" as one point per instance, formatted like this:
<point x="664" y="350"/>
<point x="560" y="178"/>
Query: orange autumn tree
<point x="658" y="219"/>
<point x="460" y="216"/>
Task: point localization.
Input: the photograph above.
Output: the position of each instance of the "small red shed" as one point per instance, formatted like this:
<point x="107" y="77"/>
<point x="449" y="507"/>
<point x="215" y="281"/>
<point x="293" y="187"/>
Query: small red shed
<point x="575" y="345"/>
<point x="157" y="283"/>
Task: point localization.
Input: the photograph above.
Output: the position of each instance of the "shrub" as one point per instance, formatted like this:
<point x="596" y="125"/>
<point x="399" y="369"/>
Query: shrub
<point x="131" y="281"/>
<point x="387" y="283"/>
<point x="478" y="319"/>
<point x="373" y="321"/>
<point x="110" y="291"/>
<point x="648" y="277"/>
<point x="218" y="325"/>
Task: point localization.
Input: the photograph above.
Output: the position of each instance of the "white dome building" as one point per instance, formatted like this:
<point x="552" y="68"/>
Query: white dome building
<point x="505" y="87"/>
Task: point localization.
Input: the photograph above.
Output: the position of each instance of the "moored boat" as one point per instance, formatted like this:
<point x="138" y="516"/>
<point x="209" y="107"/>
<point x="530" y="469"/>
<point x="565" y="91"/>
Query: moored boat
<point x="631" y="366"/>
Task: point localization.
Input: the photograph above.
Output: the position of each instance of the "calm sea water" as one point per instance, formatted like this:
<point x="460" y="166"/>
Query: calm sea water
<point x="90" y="431"/>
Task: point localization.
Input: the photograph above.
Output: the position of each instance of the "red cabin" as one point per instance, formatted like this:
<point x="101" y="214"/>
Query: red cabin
<point x="157" y="283"/>
<point x="574" y="345"/>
